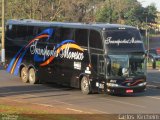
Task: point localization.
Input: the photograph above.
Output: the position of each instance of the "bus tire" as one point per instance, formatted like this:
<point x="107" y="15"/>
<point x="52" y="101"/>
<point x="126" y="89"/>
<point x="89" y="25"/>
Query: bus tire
<point x="24" y="74"/>
<point x="85" y="87"/>
<point x="32" y="76"/>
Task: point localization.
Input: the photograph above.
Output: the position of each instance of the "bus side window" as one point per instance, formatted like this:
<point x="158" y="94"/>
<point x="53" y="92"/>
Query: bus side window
<point x="95" y="39"/>
<point x="66" y="34"/>
<point x="30" y="33"/>
<point x="39" y="30"/>
<point x="56" y="36"/>
<point x="11" y="31"/>
<point x="21" y="33"/>
<point x="35" y="31"/>
<point x="62" y="34"/>
<point x="81" y="37"/>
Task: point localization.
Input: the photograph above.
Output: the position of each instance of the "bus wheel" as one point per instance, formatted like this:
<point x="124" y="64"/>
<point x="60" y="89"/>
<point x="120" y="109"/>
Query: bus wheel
<point x="24" y="75"/>
<point x="85" y="87"/>
<point x="32" y="76"/>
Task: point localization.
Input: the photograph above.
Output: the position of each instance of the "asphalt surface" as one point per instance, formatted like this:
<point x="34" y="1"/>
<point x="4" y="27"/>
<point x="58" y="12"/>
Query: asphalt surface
<point x="52" y="95"/>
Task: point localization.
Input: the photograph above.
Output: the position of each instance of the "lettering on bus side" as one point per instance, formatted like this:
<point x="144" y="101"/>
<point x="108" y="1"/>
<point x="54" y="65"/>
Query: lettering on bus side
<point x="62" y="52"/>
<point x="109" y="40"/>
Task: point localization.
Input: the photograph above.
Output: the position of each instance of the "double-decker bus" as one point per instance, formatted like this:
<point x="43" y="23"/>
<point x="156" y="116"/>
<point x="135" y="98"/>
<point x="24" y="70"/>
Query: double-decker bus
<point x="93" y="57"/>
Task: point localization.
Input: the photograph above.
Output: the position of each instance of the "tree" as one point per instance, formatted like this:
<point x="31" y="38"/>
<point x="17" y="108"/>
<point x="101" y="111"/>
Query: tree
<point x="113" y="11"/>
<point x="151" y="13"/>
<point x="128" y="12"/>
<point x="133" y="15"/>
<point x="80" y="10"/>
<point x="107" y="12"/>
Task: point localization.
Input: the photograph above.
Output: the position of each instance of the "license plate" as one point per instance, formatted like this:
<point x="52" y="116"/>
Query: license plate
<point x="129" y="91"/>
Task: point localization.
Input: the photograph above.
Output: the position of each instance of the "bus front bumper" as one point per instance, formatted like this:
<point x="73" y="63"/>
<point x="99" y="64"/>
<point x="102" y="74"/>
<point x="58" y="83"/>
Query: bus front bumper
<point x="126" y="90"/>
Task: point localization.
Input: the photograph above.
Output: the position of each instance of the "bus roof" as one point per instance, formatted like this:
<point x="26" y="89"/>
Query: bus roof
<point x="100" y="26"/>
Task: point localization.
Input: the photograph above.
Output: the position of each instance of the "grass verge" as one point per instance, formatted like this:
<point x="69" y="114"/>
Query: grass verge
<point x="11" y="110"/>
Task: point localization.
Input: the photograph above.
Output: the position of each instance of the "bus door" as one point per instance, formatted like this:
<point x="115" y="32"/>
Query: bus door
<point x="97" y="56"/>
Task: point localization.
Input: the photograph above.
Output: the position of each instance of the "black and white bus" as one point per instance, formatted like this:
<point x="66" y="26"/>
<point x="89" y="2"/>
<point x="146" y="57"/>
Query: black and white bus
<point x="93" y="57"/>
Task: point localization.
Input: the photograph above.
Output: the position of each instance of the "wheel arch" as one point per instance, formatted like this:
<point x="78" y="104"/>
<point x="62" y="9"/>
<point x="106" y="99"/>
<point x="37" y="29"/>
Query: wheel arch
<point x="32" y="66"/>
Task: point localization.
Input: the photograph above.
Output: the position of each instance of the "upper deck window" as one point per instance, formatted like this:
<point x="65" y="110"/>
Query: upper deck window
<point x="62" y="34"/>
<point x="81" y="37"/>
<point x="95" y="39"/>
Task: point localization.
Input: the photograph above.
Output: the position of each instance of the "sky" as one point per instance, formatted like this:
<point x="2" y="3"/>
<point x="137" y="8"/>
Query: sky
<point x="148" y="2"/>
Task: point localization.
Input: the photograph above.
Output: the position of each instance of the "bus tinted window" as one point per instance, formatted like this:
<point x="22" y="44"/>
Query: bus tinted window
<point x="11" y="31"/>
<point x="81" y="37"/>
<point x="62" y="34"/>
<point x="30" y="30"/>
<point x="30" y="33"/>
<point x="56" y="36"/>
<point x="95" y="39"/>
<point x="37" y="31"/>
<point x="67" y="34"/>
<point x="21" y="32"/>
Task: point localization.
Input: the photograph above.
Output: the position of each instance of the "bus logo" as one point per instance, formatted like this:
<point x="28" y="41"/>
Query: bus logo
<point x="44" y="55"/>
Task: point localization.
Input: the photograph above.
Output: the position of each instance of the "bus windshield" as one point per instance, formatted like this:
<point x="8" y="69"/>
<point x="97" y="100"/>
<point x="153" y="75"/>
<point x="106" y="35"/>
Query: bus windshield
<point x="137" y="65"/>
<point x="123" y="39"/>
<point x="119" y="65"/>
<point x="126" y="65"/>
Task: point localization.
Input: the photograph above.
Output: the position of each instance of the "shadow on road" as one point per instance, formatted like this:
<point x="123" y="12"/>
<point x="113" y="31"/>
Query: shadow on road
<point x="51" y="90"/>
<point x="54" y="90"/>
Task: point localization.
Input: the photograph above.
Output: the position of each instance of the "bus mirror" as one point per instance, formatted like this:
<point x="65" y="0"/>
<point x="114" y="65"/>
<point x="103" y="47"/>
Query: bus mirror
<point x="145" y="55"/>
<point x="108" y="60"/>
<point x="125" y="71"/>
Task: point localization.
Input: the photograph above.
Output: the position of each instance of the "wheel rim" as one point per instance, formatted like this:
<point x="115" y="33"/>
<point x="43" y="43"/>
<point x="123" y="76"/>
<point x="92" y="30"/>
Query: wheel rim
<point x="24" y="74"/>
<point x="85" y="84"/>
<point x="31" y="75"/>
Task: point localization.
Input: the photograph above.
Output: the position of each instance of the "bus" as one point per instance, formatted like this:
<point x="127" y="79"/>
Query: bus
<point x="103" y="58"/>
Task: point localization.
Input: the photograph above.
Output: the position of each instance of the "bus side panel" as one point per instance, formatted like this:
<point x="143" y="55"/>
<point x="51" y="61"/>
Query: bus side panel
<point x="78" y="68"/>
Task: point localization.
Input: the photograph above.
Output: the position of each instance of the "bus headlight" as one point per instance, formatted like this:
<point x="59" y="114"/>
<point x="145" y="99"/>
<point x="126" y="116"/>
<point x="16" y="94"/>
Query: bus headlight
<point x="142" y="84"/>
<point x="112" y="85"/>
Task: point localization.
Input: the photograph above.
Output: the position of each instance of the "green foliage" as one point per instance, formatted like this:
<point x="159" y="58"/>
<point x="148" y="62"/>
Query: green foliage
<point x="128" y="12"/>
<point x="113" y="11"/>
<point x="151" y="13"/>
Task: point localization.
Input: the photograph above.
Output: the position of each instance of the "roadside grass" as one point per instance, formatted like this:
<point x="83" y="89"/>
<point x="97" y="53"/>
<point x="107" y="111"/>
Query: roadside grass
<point x="19" y="111"/>
<point x="10" y="111"/>
<point x="154" y="35"/>
<point x="16" y="111"/>
<point x="149" y="64"/>
<point x="23" y="113"/>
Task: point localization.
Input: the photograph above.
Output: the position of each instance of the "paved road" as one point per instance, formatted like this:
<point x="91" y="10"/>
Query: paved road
<point x="49" y="95"/>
